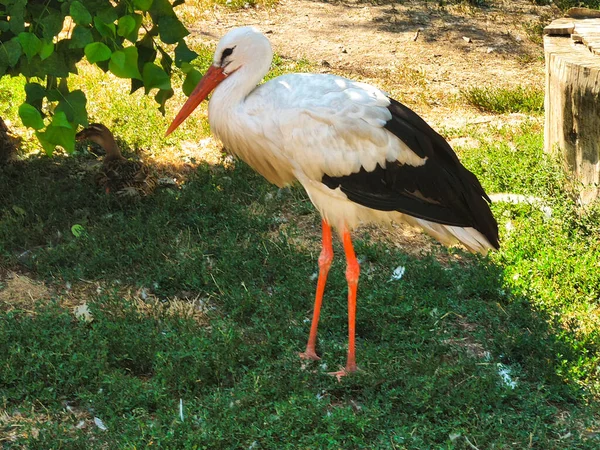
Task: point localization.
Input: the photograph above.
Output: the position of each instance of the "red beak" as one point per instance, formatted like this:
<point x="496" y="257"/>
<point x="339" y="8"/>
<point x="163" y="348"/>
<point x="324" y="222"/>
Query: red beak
<point x="213" y="76"/>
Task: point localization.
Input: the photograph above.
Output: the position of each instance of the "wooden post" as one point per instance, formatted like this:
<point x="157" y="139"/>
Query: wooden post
<point x="572" y="102"/>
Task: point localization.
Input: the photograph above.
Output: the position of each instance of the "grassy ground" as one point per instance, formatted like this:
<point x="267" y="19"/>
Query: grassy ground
<point x="192" y="305"/>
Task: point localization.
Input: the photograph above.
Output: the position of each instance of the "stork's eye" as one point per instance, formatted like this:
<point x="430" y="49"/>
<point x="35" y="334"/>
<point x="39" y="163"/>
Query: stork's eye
<point x="226" y="53"/>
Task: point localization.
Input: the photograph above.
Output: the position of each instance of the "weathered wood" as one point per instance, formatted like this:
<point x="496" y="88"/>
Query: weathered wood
<point x="572" y="102"/>
<point x="560" y="27"/>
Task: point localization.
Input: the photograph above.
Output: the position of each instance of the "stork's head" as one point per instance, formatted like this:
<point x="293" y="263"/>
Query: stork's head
<point x="242" y="48"/>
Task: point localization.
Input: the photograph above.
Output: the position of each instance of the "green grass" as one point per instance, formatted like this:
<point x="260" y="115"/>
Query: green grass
<point x="422" y="341"/>
<point x="430" y="345"/>
<point x="506" y="100"/>
<point x="566" y="4"/>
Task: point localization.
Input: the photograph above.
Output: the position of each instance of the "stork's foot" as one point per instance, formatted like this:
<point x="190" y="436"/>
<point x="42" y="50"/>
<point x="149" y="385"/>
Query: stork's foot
<point x="345" y="371"/>
<point x="309" y="354"/>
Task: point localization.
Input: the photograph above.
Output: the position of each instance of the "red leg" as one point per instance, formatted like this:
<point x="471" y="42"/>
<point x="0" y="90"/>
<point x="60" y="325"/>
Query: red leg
<point x="352" y="273"/>
<point x="324" y="264"/>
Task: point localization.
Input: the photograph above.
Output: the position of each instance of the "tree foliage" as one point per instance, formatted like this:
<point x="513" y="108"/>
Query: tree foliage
<point x="44" y="40"/>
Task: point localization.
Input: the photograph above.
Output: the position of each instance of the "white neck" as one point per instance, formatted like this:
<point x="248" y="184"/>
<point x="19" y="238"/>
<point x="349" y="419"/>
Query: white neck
<point x="234" y="89"/>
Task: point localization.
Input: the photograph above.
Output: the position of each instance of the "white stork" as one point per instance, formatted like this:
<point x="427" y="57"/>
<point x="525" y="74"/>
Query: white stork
<point x="361" y="156"/>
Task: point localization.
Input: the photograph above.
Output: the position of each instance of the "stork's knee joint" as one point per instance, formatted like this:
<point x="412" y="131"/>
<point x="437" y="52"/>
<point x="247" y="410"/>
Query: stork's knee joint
<point x="352" y="271"/>
<point x="325" y="258"/>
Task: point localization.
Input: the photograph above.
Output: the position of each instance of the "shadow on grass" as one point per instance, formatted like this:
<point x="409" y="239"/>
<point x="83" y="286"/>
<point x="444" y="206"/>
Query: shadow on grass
<point x="439" y="348"/>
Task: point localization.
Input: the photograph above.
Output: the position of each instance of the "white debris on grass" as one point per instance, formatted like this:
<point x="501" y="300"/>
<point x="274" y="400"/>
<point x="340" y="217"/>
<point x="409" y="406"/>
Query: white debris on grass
<point x="100" y="424"/>
<point x="398" y="273"/>
<point x="82" y="312"/>
<point x="314" y="276"/>
<point x="454" y="436"/>
<point x="181" y="409"/>
<point x="505" y="373"/>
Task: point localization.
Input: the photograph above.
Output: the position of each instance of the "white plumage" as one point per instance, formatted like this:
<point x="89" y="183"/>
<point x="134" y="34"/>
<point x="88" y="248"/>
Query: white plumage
<point x="361" y="156"/>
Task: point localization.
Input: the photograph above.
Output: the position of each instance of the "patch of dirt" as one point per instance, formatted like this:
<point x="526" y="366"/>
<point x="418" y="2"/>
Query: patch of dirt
<point x="412" y="49"/>
<point x="21" y="292"/>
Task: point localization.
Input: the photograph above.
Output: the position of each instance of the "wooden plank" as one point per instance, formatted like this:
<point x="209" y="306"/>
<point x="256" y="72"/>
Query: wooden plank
<point x="562" y="27"/>
<point x="587" y="31"/>
<point x="587" y="40"/>
<point x="595" y="45"/>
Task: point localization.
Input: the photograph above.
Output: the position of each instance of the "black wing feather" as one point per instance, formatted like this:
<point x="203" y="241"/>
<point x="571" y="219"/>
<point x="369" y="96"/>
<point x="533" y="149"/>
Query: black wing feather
<point x="442" y="190"/>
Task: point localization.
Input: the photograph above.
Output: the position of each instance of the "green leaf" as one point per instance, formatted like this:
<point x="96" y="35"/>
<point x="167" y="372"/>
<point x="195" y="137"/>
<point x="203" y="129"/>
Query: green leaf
<point x="51" y="25"/>
<point x="171" y="30"/>
<point x="183" y="54"/>
<point x="46" y="144"/>
<point x="126" y="25"/>
<point x="135" y="85"/>
<point x="161" y="98"/>
<point x="166" y="62"/>
<point x="106" y="30"/>
<point x="77" y="230"/>
<point x="74" y="107"/>
<point x="17" y="16"/>
<point x="57" y="135"/>
<point x="46" y="50"/>
<point x="30" y="43"/>
<point x="56" y="65"/>
<point x="161" y="8"/>
<point x="109" y="14"/>
<point x="123" y="63"/>
<point x="81" y="37"/>
<point x="155" y="77"/>
<point x="31" y="117"/>
<point x="19" y="211"/>
<point x="134" y="33"/>
<point x="191" y="80"/>
<point x="187" y="67"/>
<point x="97" y="51"/>
<point x="146" y="50"/>
<point x="34" y="93"/>
<point x="80" y="14"/>
<point x="142" y="5"/>
<point x="60" y="120"/>
<point x="10" y="52"/>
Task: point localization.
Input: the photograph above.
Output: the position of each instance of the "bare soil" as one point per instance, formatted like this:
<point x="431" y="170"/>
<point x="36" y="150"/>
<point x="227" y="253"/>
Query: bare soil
<point x="420" y="52"/>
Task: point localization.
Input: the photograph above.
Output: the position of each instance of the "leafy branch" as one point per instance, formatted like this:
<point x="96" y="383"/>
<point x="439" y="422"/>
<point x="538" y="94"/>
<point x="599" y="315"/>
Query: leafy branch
<point x="45" y="40"/>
